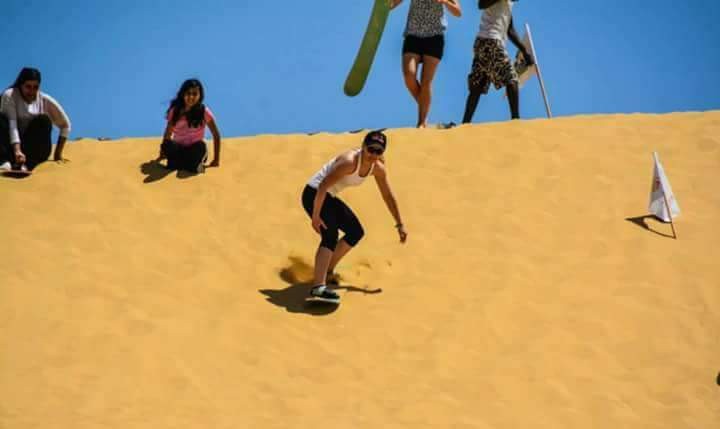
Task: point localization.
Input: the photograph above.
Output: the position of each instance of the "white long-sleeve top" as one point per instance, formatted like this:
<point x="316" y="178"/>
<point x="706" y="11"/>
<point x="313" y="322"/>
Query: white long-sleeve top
<point x="19" y="112"/>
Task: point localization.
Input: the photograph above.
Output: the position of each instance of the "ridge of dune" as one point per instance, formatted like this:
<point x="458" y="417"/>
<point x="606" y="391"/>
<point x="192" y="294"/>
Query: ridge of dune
<point x="532" y="291"/>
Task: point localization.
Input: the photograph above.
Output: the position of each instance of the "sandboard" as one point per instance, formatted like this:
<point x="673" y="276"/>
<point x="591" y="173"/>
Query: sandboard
<point x="16" y="173"/>
<point x="366" y="54"/>
<point x="525" y="72"/>
<point x="323" y="301"/>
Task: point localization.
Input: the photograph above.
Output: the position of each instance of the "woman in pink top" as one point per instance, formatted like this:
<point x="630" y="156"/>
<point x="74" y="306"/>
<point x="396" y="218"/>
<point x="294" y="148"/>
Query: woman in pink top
<point x="183" y="145"/>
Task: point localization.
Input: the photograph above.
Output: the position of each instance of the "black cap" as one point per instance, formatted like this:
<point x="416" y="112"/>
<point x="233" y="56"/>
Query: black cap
<point x="375" y="137"/>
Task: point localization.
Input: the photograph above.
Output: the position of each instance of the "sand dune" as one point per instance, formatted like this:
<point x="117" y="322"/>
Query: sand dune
<point x="532" y="291"/>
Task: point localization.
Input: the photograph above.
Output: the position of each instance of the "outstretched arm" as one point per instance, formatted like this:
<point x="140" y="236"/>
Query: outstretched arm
<point x="61" y="120"/>
<point x="216" y="143"/>
<point x="167" y="134"/>
<point x="8" y="107"/>
<point x="384" y="186"/>
<point x="513" y="36"/>
<point x="452" y="5"/>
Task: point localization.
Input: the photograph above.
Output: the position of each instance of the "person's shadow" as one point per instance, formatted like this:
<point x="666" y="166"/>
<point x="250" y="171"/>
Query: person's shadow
<point x="154" y="171"/>
<point x="15" y="175"/>
<point x="298" y="274"/>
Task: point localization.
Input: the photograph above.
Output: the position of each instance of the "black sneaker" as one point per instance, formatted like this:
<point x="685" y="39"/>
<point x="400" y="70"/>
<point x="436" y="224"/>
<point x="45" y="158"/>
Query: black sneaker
<point x="326" y="295"/>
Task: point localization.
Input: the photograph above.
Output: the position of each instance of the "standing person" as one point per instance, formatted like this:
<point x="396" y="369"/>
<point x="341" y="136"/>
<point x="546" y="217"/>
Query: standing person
<point x="26" y="119"/>
<point x="330" y="214"/>
<point x="183" y="145"/>
<point x="424" y="44"/>
<point x="491" y="62"/>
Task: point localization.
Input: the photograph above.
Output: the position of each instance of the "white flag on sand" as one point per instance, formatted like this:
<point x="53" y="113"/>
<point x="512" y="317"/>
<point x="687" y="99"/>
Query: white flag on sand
<point x="661" y="192"/>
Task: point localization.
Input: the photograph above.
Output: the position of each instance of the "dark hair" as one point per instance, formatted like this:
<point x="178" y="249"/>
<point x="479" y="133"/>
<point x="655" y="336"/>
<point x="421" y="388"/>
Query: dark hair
<point x="26" y="74"/>
<point x="375" y="137"/>
<point x="196" y="115"/>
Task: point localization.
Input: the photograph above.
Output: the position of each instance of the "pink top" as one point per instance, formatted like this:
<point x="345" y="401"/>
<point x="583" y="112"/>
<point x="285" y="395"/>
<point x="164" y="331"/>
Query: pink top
<point x="182" y="134"/>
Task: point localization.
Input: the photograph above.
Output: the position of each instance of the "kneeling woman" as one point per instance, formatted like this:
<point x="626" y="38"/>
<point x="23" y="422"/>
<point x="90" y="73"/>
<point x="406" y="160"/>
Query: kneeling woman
<point x="330" y="214"/>
<point x="26" y="119"/>
<point x="183" y="145"/>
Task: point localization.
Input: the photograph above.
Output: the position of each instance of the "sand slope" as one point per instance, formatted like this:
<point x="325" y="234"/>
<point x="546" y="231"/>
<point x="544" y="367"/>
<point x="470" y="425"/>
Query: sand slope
<point x="524" y="298"/>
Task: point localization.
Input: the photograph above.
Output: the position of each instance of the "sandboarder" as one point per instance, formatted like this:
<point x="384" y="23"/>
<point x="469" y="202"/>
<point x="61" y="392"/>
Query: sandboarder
<point x="330" y="214"/>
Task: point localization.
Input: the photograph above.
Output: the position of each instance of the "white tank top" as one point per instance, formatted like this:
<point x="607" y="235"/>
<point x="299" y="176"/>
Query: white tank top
<point x="495" y="21"/>
<point x="353" y="179"/>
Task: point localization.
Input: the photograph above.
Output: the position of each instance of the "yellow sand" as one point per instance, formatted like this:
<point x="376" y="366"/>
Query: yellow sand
<point x="522" y="299"/>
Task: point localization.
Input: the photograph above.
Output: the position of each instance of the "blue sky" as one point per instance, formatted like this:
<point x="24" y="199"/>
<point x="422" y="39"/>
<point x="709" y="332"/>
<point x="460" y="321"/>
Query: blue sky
<point x="279" y="67"/>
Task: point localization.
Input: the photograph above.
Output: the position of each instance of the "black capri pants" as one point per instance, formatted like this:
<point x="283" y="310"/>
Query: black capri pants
<point x="34" y="141"/>
<point x="337" y="216"/>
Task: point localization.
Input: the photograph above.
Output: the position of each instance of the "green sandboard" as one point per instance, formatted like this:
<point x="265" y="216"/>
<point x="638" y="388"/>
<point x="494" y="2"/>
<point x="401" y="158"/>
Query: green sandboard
<point x="361" y="67"/>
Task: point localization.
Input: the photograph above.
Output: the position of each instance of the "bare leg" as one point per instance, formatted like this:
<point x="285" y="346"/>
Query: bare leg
<point x="513" y="94"/>
<point x="430" y="65"/>
<point x="471" y="103"/>
<point x="322" y="262"/>
<point x="341" y="250"/>
<point x="409" y="67"/>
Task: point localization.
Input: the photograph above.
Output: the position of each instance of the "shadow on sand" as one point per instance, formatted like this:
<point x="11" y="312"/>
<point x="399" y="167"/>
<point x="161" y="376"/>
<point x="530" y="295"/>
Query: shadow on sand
<point x="641" y="221"/>
<point x="154" y="171"/>
<point x="298" y="274"/>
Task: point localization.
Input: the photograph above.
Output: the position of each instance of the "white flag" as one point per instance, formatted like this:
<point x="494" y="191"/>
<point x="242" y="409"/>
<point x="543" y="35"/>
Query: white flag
<point x="524" y="71"/>
<point x="660" y="191"/>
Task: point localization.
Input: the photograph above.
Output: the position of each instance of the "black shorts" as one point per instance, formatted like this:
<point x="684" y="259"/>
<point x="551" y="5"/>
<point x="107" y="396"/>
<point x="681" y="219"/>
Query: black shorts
<point x="433" y="46"/>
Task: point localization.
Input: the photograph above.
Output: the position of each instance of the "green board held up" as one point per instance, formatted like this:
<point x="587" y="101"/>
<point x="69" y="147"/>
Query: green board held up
<point x="363" y="61"/>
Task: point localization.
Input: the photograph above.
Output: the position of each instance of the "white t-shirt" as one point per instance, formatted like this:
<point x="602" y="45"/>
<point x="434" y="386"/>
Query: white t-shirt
<point x="19" y="112"/>
<point x="495" y="21"/>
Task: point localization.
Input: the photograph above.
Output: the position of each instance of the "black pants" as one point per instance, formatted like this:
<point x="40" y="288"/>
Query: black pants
<point x="337" y="216"/>
<point x="35" y="141"/>
<point x="184" y="157"/>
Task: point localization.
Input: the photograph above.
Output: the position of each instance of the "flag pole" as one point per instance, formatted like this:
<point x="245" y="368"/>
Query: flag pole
<point x="537" y="70"/>
<point x="667" y="207"/>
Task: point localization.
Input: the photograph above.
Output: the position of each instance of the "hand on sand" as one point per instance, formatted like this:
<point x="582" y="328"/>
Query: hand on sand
<point x="20" y="158"/>
<point x="402" y="233"/>
<point x="215" y="163"/>
<point x="317" y="223"/>
<point x="60" y="159"/>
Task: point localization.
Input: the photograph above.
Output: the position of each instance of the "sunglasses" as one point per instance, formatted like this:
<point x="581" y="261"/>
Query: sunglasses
<point x="31" y="86"/>
<point x="375" y="150"/>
